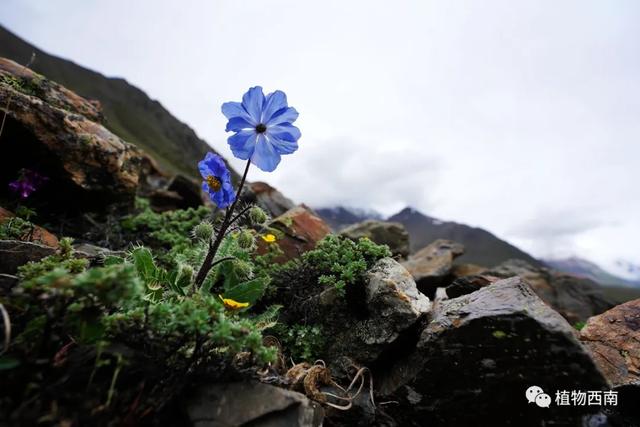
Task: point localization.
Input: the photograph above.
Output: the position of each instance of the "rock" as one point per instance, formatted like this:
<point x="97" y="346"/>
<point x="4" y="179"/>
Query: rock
<point x="480" y="352"/>
<point x="14" y="253"/>
<point x="613" y="338"/>
<point x="299" y="231"/>
<point x="59" y="135"/>
<point x="189" y="191"/>
<point x="392" y="234"/>
<point x="466" y="285"/>
<point x="576" y="299"/>
<point x="36" y="235"/>
<point x="95" y="254"/>
<point x="362" y="326"/>
<point x="251" y="404"/>
<point x="431" y="266"/>
<point x="268" y="198"/>
<point x="463" y="270"/>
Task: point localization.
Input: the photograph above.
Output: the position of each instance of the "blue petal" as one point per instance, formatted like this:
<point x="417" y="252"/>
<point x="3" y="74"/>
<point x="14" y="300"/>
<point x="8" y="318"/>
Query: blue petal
<point x="235" y="109"/>
<point x="282" y="146"/>
<point x="236" y="124"/>
<point x="274" y="102"/>
<point x="265" y="156"/>
<point x="284" y="115"/>
<point x="243" y="144"/>
<point x="285" y="131"/>
<point x="253" y="101"/>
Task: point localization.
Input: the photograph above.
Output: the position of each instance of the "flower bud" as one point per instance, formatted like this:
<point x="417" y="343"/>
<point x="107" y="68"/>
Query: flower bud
<point x="257" y="216"/>
<point x="245" y="239"/>
<point x="243" y="268"/>
<point x="203" y="231"/>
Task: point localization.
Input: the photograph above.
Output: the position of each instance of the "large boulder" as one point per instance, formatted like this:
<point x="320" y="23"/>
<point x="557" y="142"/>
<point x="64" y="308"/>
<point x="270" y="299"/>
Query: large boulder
<point x="476" y="358"/>
<point x="431" y="266"/>
<point x="59" y="135"/>
<point x="575" y="298"/>
<point x="251" y="404"/>
<point x="298" y="229"/>
<point x="392" y="234"/>
<point x="614" y="340"/>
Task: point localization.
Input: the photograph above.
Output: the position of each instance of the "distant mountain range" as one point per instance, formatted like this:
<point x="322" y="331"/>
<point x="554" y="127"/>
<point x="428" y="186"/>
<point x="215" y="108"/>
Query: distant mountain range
<point x="340" y="217"/>
<point x="129" y="112"/>
<point x="481" y="247"/>
<point x="588" y="269"/>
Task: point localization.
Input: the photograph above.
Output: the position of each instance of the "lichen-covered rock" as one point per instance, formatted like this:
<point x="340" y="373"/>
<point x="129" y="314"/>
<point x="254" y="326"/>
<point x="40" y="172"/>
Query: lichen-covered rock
<point x="431" y="266"/>
<point x="392" y="234"/>
<point x="14" y="253"/>
<point x="575" y="298"/>
<point x="614" y="341"/>
<point x="299" y="231"/>
<point x="485" y="349"/>
<point x="58" y="134"/>
<point x="361" y="327"/>
<point x="251" y="404"/>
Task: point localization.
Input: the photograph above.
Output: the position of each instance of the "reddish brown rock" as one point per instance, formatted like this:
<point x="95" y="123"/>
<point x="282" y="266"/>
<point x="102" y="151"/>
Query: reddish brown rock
<point x="614" y="341"/>
<point x="35" y="235"/>
<point x="431" y="266"/>
<point x="298" y="230"/>
<point x="267" y="197"/>
<point x="59" y="134"/>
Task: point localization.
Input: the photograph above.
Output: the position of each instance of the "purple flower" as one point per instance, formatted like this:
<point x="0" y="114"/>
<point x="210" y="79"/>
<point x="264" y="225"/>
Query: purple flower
<point x="217" y="180"/>
<point x="27" y="183"/>
<point x="263" y="127"/>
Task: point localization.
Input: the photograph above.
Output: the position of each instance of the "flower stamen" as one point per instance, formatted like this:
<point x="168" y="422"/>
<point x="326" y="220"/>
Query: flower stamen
<point x="214" y="183"/>
<point x="261" y="128"/>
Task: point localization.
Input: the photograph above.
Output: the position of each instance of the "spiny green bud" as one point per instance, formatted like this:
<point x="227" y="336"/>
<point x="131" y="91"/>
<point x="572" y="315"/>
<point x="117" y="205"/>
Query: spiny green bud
<point x="245" y="239"/>
<point x="257" y="216"/>
<point x="243" y="268"/>
<point x="203" y="231"/>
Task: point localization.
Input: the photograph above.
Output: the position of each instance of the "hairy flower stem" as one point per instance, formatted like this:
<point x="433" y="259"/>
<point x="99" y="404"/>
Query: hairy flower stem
<point x="229" y="219"/>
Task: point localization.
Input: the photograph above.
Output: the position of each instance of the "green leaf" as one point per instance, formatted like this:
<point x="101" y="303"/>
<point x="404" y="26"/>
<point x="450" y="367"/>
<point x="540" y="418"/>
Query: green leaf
<point x="143" y="261"/>
<point x="249" y="291"/>
<point x="7" y="362"/>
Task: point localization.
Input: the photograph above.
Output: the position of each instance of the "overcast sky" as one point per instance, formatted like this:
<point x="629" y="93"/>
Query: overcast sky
<point x="518" y="117"/>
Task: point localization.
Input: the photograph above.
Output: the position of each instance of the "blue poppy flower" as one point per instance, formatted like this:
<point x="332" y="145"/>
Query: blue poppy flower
<point x="217" y="180"/>
<point x="263" y="127"/>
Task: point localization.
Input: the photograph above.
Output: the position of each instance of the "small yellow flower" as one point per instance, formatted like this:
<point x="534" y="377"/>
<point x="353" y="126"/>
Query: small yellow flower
<point x="233" y="304"/>
<point x="269" y="238"/>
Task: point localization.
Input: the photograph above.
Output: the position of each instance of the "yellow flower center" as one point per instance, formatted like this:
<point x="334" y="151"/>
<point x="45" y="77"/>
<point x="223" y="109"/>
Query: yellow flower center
<point x="269" y="238"/>
<point x="214" y="183"/>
